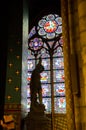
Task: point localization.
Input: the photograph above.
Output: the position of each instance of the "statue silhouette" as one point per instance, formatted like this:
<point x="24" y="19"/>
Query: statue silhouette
<point x="35" y="84"/>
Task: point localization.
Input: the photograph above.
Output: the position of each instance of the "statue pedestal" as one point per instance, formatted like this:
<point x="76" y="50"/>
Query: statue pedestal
<point x="37" y="120"/>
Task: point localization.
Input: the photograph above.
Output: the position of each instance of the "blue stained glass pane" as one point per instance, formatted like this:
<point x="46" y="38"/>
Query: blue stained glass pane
<point x="59" y="76"/>
<point x="32" y="32"/>
<point x="46" y="90"/>
<point x="58" y="63"/>
<point x="47" y="103"/>
<point x="60" y="105"/>
<point x="59" y="89"/>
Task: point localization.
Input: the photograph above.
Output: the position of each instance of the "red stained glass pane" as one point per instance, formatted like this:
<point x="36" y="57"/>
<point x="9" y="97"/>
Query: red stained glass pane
<point x="50" y="26"/>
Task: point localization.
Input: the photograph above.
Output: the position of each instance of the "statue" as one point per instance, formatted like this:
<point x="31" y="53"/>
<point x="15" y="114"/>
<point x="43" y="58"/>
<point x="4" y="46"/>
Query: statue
<point x="35" y="84"/>
<point x="36" y="118"/>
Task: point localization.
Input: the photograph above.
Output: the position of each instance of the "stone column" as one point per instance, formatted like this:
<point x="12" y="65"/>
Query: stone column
<point x="82" y="33"/>
<point x="66" y="50"/>
<point x="25" y="28"/>
<point x="75" y="57"/>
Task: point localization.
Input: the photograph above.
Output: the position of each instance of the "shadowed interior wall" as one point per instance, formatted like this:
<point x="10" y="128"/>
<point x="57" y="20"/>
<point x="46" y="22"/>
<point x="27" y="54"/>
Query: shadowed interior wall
<point x="14" y="57"/>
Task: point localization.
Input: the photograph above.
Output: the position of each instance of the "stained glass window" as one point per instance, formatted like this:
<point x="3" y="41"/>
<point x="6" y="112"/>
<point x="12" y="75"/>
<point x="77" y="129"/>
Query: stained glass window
<point x="46" y="40"/>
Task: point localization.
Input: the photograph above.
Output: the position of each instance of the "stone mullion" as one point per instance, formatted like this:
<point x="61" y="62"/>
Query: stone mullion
<point x="66" y="51"/>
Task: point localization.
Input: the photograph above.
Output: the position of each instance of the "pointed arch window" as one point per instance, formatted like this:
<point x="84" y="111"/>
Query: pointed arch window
<point x="45" y="39"/>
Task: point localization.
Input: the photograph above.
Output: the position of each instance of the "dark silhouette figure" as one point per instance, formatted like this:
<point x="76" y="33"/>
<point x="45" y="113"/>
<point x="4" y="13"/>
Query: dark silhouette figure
<point x="35" y="84"/>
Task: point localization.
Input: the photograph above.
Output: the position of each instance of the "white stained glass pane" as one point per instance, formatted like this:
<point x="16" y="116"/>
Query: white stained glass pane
<point x="61" y="41"/>
<point x="44" y="53"/>
<point x="59" y="89"/>
<point x="59" y="30"/>
<point x="31" y="65"/>
<point x="60" y="105"/>
<point x="59" y="20"/>
<point x="59" y="76"/>
<point x="28" y="104"/>
<point x="50" y="17"/>
<point x="28" y="90"/>
<point x="50" y="35"/>
<point x="41" y="31"/>
<point x="47" y="103"/>
<point x="46" y="64"/>
<point x="45" y="77"/>
<point x="30" y="56"/>
<point x="41" y="22"/>
<point x="59" y="51"/>
<point x="58" y="63"/>
<point x="46" y="90"/>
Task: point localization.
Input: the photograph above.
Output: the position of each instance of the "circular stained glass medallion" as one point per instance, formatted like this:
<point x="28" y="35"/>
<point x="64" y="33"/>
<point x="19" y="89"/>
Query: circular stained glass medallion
<point x="50" y="26"/>
<point x="35" y="44"/>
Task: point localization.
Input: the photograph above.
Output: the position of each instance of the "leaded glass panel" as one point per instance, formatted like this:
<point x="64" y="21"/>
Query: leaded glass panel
<point x="31" y="65"/>
<point x="58" y="75"/>
<point x="46" y="64"/>
<point x="28" y="91"/>
<point x="28" y="76"/>
<point x="30" y="56"/>
<point x="58" y="63"/>
<point x="28" y="104"/>
<point x="59" y="89"/>
<point x="45" y="77"/>
<point x="46" y="90"/>
<point x="47" y="103"/>
<point x="60" y="105"/>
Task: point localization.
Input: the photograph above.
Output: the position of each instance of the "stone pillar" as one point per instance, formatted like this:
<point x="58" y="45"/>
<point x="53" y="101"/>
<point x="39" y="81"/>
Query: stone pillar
<point x="25" y="28"/>
<point x="75" y="57"/>
<point x="82" y="33"/>
<point x="66" y="50"/>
